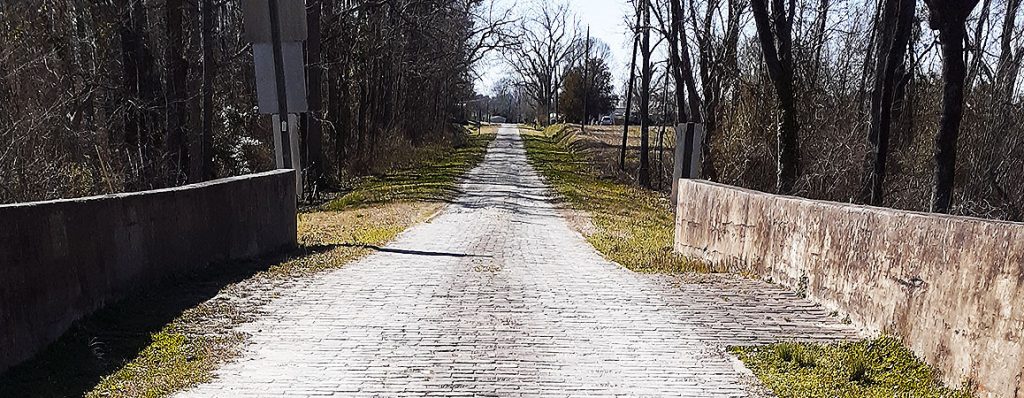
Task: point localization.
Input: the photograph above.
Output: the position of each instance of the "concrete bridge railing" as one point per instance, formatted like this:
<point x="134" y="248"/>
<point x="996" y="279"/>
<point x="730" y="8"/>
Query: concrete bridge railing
<point x="61" y="260"/>
<point x="951" y="287"/>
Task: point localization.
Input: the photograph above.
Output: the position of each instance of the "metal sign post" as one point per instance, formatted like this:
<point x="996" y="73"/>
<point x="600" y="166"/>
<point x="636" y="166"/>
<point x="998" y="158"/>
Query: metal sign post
<point x="281" y="92"/>
<point x="277" y="29"/>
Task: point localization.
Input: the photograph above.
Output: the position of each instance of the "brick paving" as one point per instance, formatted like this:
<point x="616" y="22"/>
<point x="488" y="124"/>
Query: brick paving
<point x="498" y="296"/>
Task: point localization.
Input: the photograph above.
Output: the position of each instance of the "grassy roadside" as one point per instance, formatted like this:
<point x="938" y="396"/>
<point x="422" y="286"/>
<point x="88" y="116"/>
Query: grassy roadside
<point x="878" y="368"/>
<point x="155" y="343"/>
<point x="632" y="226"/>
<point x="433" y="179"/>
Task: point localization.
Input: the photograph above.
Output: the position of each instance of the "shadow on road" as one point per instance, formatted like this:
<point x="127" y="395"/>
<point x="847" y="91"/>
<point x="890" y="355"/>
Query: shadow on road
<point x="100" y="344"/>
<point x="415" y="252"/>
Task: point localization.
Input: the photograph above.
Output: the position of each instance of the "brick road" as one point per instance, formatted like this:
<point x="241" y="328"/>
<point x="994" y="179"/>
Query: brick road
<point x="497" y="296"/>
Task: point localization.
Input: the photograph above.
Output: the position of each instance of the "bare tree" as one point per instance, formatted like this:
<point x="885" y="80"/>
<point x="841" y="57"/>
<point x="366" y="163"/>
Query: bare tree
<point x="1008" y="67"/>
<point x="775" y="32"/>
<point x="949" y="18"/>
<point x="628" y="113"/>
<point x="177" y="88"/>
<point x="679" y="54"/>
<point x="688" y="102"/>
<point x="646" y="74"/>
<point x="201" y="158"/>
<point x="547" y="41"/>
<point x="94" y="100"/>
<point x="893" y="38"/>
<point x="312" y="125"/>
<point x="141" y="87"/>
<point x="718" y="67"/>
<point x="105" y="94"/>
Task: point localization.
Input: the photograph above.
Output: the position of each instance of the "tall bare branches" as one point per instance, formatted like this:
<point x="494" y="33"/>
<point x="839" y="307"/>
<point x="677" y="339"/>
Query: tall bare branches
<point x="894" y="37"/>
<point x="105" y="96"/>
<point x="547" y="41"/>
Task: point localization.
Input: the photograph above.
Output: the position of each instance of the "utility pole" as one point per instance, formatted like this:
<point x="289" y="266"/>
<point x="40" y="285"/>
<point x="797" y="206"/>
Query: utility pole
<point x="586" y="84"/>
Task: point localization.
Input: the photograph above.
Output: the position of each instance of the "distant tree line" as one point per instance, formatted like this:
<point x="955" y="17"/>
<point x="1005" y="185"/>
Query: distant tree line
<point x="100" y="96"/>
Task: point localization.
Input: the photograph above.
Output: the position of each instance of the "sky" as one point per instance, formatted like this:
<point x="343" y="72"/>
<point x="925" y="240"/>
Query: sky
<point x="607" y="22"/>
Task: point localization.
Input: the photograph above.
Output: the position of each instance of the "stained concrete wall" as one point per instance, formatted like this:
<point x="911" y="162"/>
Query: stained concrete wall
<point x="951" y="287"/>
<point x="61" y="260"/>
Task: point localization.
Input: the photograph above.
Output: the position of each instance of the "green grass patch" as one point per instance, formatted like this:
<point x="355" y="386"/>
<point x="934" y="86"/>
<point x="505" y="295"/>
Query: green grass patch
<point x="181" y="359"/>
<point x="879" y="368"/>
<point x="432" y="178"/>
<point x="632" y="226"/>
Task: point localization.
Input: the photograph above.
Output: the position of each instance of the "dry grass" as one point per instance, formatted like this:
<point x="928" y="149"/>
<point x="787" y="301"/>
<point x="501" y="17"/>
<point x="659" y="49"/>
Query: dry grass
<point x="602" y="145"/>
<point x="431" y="177"/>
<point x="630" y="225"/>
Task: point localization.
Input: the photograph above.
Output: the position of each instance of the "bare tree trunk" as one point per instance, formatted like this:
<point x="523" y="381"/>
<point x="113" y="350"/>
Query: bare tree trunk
<point x="337" y="91"/>
<point x="679" y="55"/>
<point x="130" y="47"/>
<point x="718" y="68"/>
<point x="686" y="68"/>
<point x="586" y="85"/>
<point x="661" y="133"/>
<point x="819" y="38"/>
<point x="201" y="161"/>
<point x="177" y="90"/>
<point x="312" y="119"/>
<point x="629" y="94"/>
<point x="676" y="28"/>
<point x="775" y="32"/>
<point x="1009" y="63"/>
<point x="645" y="98"/>
<point x="976" y="43"/>
<point x="675" y="31"/>
<point x="140" y="91"/>
<point x="895" y="25"/>
<point x="869" y="56"/>
<point x="949" y="18"/>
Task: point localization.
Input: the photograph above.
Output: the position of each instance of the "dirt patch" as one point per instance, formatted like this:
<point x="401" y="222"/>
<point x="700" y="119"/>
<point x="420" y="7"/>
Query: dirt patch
<point x="579" y="221"/>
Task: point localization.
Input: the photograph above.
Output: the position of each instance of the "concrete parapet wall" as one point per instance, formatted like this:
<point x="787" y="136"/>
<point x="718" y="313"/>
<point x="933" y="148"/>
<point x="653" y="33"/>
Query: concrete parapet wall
<point x="61" y="260"/>
<point x="951" y="287"/>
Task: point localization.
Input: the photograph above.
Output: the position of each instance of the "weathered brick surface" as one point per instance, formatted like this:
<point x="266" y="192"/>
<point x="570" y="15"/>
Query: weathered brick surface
<point x="952" y="287"/>
<point x="497" y="296"/>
